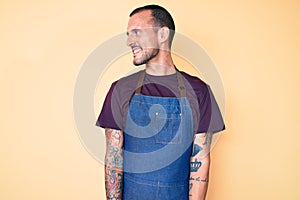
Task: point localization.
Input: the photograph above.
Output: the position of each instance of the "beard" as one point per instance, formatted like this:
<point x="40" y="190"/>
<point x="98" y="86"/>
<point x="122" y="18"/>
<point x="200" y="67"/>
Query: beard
<point x="146" y="57"/>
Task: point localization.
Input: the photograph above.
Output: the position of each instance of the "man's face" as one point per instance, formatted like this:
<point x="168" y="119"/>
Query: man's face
<point x="142" y="38"/>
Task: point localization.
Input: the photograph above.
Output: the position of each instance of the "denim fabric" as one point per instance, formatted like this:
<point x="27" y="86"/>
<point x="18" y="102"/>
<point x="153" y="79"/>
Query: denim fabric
<point x="157" y="148"/>
<point x="151" y="190"/>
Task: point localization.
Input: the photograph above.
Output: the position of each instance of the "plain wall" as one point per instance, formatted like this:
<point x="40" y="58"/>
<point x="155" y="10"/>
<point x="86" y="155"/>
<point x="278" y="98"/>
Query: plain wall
<point x="255" y="46"/>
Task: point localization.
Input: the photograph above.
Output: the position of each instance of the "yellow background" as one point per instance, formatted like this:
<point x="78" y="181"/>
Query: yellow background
<point x="254" y="44"/>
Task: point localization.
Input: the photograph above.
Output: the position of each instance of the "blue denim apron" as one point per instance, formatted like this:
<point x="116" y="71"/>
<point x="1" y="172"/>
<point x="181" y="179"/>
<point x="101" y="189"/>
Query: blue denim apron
<point x="157" y="146"/>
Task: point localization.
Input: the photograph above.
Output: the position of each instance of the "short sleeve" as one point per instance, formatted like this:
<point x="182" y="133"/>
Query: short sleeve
<point x="211" y="120"/>
<point x="111" y="114"/>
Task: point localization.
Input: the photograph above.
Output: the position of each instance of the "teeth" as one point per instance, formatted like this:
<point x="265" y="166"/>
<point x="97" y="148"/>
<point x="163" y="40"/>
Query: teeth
<point x="136" y="50"/>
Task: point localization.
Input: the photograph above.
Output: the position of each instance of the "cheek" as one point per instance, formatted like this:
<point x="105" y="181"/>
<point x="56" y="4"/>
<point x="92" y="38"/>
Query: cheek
<point x="151" y="43"/>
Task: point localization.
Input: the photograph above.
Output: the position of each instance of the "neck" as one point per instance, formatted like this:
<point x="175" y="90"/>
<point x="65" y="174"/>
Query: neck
<point x="162" y="64"/>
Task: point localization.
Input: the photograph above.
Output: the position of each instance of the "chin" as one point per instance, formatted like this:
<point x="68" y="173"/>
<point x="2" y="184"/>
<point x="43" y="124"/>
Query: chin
<point x="138" y="63"/>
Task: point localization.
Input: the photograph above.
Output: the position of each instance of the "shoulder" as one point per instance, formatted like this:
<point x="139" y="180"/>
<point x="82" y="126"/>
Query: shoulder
<point x="128" y="82"/>
<point x="199" y="86"/>
<point x="125" y="86"/>
<point x="130" y="79"/>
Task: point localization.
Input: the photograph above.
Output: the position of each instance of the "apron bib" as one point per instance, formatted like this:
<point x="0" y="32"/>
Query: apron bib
<point x="158" y="138"/>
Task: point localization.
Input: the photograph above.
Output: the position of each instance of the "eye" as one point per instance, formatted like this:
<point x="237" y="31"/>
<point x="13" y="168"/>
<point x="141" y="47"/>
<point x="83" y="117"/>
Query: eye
<point x="137" y="32"/>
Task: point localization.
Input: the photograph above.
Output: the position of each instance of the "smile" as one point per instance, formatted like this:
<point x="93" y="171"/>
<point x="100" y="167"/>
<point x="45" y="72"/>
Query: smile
<point x="136" y="50"/>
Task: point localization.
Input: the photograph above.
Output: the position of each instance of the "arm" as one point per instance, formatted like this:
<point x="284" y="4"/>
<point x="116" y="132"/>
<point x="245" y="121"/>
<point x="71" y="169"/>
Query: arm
<point x="200" y="162"/>
<point x="114" y="164"/>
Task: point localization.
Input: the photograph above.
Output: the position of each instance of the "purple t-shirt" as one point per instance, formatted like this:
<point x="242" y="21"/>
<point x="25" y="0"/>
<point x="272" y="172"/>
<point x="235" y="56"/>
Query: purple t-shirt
<point x="206" y="113"/>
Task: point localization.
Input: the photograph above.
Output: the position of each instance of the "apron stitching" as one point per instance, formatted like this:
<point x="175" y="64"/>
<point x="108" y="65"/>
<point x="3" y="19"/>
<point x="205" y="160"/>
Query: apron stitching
<point x="157" y="191"/>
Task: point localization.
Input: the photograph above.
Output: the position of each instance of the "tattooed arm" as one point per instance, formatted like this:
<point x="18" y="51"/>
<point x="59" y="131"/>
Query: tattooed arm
<point x="200" y="162"/>
<point x="114" y="164"/>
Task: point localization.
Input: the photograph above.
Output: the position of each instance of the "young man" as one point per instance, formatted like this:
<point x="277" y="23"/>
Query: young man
<point x="158" y="121"/>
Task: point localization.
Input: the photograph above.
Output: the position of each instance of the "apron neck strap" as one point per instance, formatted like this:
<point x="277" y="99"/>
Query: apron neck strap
<point x="181" y="87"/>
<point x="140" y="83"/>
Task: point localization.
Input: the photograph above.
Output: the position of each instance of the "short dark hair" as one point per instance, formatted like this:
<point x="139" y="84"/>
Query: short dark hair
<point x="161" y="17"/>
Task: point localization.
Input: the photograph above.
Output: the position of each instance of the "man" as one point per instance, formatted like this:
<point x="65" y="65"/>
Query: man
<point x="159" y="121"/>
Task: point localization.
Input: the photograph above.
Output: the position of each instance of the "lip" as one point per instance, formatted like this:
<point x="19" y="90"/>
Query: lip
<point x="136" y="50"/>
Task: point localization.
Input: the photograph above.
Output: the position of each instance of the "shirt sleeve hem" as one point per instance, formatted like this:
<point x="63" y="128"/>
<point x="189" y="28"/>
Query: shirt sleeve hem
<point x="107" y="126"/>
<point x="214" y="131"/>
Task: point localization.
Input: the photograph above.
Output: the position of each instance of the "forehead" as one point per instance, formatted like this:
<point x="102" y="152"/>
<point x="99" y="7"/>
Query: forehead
<point x="141" y="19"/>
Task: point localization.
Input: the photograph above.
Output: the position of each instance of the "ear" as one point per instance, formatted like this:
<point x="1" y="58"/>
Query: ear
<point x="163" y="35"/>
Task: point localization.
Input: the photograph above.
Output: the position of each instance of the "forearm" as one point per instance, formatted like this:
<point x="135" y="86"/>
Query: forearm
<point x="199" y="179"/>
<point x="113" y="183"/>
<point x="114" y="164"/>
<point x="199" y="166"/>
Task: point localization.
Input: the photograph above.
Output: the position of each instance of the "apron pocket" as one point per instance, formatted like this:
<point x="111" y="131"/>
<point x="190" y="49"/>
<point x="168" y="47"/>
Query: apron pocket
<point x="171" y="132"/>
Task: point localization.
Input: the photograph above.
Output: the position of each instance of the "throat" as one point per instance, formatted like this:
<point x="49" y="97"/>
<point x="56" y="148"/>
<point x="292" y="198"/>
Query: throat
<point x="160" y="70"/>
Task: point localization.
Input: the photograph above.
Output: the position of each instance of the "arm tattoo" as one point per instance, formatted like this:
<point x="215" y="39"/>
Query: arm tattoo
<point x="114" y="149"/>
<point x="208" y="139"/>
<point x="113" y="184"/>
<point x="204" y="180"/>
<point x="114" y="164"/>
<point x="195" y="165"/>
<point x="195" y="179"/>
<point x="190" y="187"/>
<point x="196" y="150"/>
<point x="199" y="166"/>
